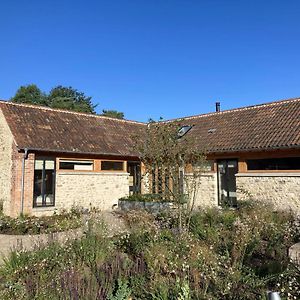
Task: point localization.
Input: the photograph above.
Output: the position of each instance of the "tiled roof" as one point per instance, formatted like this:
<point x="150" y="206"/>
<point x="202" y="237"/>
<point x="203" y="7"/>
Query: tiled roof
<point x="261" y="127"/>
<point x="47" y="129"/>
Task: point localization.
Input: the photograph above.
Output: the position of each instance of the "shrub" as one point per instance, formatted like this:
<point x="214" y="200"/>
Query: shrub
<point x="144" y="198"/>
<point x="224" y="254"/>
<point x="34" y="225"/>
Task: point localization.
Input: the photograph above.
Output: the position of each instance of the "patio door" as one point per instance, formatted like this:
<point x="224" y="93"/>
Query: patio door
<point x="134" y="170"/>
<point x="227" y="182"/>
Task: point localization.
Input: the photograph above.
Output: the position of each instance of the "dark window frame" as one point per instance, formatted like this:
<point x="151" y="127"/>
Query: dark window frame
<point x="277" y="164"/>
<point x="112" y="169"/>
<point x="44" y="159"/>
<point x="84" y="162"/>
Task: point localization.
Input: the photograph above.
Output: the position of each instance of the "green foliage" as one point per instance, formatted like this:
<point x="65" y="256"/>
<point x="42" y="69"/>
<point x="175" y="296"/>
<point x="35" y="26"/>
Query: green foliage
<point x="122" y="291"/>
<point x="30" y="94"/>
<point x="60" y="97"/>
<point x="113" y="114"/>
<point x="224" y="254"/>
<point x="71" y="99"/>
<point x="144" y="198"/>
<point x="46" y="224"/>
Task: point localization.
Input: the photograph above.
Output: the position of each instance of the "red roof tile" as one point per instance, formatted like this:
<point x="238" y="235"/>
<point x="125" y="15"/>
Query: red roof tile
<point x="47" y="129"/>
<point x="262" y="127"/>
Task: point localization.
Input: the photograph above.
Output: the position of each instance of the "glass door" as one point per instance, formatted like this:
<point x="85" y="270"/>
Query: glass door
<point x="134" y="170"/>
<point x="44" y="182"/>
<point x="227" y="182"/>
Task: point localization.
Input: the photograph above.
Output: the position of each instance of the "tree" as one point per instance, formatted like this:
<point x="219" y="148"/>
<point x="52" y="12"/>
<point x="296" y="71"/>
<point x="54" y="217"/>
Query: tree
<point x="113" y="114"/>
<point x="30" y="94"/>
<point x="167" y="155"/>
<point x="71" y="99"/>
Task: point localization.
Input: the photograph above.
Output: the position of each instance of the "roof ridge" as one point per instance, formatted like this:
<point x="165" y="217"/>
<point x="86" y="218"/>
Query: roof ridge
<point x="273" y="103"/>
<point x="69" y="112"/>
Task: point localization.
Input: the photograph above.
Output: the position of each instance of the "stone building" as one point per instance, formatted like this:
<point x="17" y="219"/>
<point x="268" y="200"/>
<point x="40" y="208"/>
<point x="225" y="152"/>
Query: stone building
<point x="54" y="159"/>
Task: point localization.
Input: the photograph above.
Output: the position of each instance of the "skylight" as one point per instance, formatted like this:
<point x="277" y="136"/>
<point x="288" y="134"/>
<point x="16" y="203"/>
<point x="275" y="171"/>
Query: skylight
<point x="183" y="130"/>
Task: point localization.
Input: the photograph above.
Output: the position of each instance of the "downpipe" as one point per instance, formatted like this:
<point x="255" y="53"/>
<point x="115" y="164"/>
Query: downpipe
<point x="25" y="156"/>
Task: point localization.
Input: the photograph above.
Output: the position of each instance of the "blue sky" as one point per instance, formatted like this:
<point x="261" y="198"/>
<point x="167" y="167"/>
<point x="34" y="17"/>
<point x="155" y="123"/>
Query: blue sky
<point x="154" y="58"/>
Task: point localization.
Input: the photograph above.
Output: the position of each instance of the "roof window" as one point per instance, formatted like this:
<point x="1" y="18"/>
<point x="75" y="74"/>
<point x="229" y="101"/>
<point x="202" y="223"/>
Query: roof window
<point x="183" y="130"/>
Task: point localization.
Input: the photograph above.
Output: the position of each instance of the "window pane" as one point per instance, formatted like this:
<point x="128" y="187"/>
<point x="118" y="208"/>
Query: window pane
<point x="108" y="165"/>
<point x="289" y="163"/>
<point x="38" y="164"/>
<point x="48" y="187"/>
<point x="38" y="182"/>
<point x="49" y="165"/>
<point x="86" y="165"/>
<point x="44" y="182"/>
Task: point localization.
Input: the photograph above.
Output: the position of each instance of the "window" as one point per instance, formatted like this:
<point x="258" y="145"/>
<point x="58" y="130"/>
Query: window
<point x="183" y="130"/>
<point x="44" y="182"/>
<point x="109" y="165"/>
<point x="289" y="163"/>
<point x="78" y="165"/>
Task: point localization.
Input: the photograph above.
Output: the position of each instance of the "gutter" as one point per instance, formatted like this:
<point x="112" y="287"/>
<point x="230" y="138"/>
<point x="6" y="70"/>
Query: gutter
<point x="76" y="152"/>
<point x="216" y="152"/>
<point x="25" y="156"/>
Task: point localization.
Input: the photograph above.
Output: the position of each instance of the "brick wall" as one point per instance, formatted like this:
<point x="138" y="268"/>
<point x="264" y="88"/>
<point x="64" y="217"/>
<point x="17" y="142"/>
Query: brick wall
<point x="280" y="189"/>
<point x="86" y="189"/>
<point x="6" y="142"/>
<point x="16" y="192"/>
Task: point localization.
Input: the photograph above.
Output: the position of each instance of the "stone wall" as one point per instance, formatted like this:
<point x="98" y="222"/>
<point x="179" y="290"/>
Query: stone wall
<point x="6" y="144"/>
<point x="86" y="189"/>
<point x="206" y="192"/>
<point x="280" y="189"/>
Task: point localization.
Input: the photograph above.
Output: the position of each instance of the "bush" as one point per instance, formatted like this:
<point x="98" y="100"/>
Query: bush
<point x="34" y="225"/>
<point x="145" y="198"/>
<point x="225" y="254"/>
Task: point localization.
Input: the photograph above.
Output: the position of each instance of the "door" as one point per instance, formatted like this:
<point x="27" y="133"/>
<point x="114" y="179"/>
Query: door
<point x="134" y="170"/>
<point x="227" y="170"/>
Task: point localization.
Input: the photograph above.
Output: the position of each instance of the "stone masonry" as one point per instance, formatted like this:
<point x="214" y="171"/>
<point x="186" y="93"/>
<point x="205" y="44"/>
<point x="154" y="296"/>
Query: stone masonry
<point x="206" y="191"/>
<point x="6" y="142"/>
<point x="85" y="189"/>
<point x="280" y="189"/>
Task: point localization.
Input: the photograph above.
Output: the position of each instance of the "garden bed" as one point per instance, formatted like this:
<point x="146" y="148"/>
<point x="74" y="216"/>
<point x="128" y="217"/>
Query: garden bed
<point x="149" y="206"/>
<point x="150" y="202"/>
<point x="33" y="225"/>
<point x="221" y="254"/>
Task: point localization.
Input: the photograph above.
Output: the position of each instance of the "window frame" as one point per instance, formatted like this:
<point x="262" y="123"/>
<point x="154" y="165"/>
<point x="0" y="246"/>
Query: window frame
<point x="96" y="165"/>
<point x="34" y="202"/>
<point x="124" y="169"/>
<point x="271" y="170"/>
<point x="74" y="159"/>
